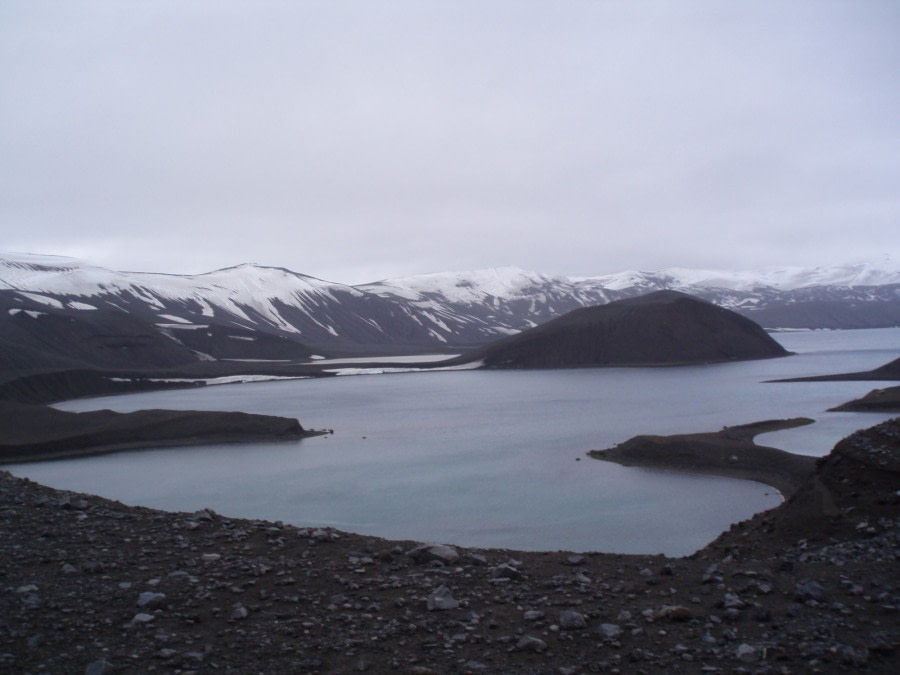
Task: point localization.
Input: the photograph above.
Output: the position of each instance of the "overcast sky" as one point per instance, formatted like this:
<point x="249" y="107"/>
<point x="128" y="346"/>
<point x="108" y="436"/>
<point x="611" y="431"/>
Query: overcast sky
<point x="361" y="140"/>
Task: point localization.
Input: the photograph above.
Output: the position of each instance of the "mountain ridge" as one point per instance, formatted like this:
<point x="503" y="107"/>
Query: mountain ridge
<point x="778" y="277"/>
<point x="253" y="311"/>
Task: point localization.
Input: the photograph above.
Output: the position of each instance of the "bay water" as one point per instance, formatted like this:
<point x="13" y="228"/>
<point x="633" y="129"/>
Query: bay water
<point x="491" y="459"/>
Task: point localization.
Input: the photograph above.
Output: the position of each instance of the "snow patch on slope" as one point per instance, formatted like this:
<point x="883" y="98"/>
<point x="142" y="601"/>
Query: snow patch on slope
<point x="779" y="278"/>
<point x="43" y="299"/>
<point x="473" y="286"/>
<point x="236" y="290"/>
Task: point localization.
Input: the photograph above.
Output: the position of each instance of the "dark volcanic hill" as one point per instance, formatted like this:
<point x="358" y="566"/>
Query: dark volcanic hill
<point x="662" y="328"/>
<point x="42" y="338"/>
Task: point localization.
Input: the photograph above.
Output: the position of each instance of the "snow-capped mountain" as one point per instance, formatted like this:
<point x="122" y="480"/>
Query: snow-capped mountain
<point x="511" y="299"/>
<point x="228" y="303"/>
<point x="778" y="278"/>
<point x="497" y="301"/>
<point x="255" y="312"/>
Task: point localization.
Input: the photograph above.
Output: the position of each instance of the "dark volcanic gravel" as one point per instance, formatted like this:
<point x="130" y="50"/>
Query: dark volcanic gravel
<point x="89" y="585"/>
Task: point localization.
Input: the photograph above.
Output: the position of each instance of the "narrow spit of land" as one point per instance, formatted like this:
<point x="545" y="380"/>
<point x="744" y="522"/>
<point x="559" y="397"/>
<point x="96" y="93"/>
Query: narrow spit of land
<point x="889" y="371"/>
<point x="35" y="432"/>
<point x="730" y="452"/>
<point x="885" y="400"/>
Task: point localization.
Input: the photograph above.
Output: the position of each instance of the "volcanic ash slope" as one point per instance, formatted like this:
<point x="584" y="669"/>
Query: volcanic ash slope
<point x="662" y="328"/>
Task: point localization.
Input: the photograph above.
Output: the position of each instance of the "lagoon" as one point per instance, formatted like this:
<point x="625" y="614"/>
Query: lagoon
<point x="491" y="458"/>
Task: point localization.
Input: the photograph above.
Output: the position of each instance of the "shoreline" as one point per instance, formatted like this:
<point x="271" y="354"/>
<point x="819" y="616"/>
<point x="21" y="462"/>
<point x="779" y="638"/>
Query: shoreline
<point x="885" y="400"/>
<point x="888" y="371"/>
<point x="92" y="585"/>
<point x="98" y="450"/>
<point x="731" y="453"/>
<point x="33" y="433"/>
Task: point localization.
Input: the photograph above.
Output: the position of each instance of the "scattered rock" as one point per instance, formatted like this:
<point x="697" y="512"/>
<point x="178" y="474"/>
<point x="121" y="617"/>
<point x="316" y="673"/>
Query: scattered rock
<point x="439" y="552"/>
<point x="674" y="613"/>
<point x="151" y="600"/>
<point x="527" y="643"/>
<point x="99" y="667"/>
<point x="747" y="653"/>
<point x="505" y="571"/>
<point x="609" y="631"/>
<point x="809" y="590"/>
<point x="569" y="619"/>
<point x="477" y="559"/>
<point x="441" y="599"/>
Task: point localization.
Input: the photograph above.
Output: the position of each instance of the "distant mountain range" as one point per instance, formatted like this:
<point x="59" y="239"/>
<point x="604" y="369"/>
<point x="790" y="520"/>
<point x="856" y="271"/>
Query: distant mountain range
<point x="70" y="312"/>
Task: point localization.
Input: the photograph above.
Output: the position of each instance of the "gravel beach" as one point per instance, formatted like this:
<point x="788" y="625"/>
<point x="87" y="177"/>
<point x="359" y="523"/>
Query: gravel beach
<point x="92" y="586"/>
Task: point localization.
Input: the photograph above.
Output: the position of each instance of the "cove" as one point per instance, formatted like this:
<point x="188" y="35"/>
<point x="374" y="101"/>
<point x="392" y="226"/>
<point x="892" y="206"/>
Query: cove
<point x="491" y="458"/>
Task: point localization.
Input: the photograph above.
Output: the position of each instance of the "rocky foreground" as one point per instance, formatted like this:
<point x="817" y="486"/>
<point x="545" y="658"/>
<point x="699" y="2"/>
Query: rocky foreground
<point x="88" y="585"/>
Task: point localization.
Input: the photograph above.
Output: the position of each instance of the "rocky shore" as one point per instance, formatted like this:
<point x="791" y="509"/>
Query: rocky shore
<point x="88" y="585"/>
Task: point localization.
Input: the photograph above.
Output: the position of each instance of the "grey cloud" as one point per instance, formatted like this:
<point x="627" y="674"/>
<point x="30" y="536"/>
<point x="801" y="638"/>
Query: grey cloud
<point x="346" y="139"/>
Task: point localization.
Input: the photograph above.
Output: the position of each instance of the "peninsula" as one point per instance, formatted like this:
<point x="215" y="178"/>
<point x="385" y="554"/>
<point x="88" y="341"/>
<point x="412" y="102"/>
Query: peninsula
<point x="730" y="452"/>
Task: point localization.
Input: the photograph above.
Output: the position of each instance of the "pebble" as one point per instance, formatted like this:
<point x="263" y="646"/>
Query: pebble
<point x="569" y="619"/>
<point x="439" y="552"/>
<point x="99" y="667"/>
<point x="809" y="590"/>
<point x="441" y="599"/>
<point x="747" y="653"/>
<point x="609" y="631"/>
<point x="531" y="644"/>
<point x="505" y="571"/>
<point x="151" y="600"/>
<point x="674" y="613"/>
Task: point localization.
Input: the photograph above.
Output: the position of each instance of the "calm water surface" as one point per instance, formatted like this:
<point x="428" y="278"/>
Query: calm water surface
<point x="491" y="459"/>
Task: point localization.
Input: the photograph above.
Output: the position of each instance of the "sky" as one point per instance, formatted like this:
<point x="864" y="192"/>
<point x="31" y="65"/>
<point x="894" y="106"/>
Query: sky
<point x="355" y="141"/>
